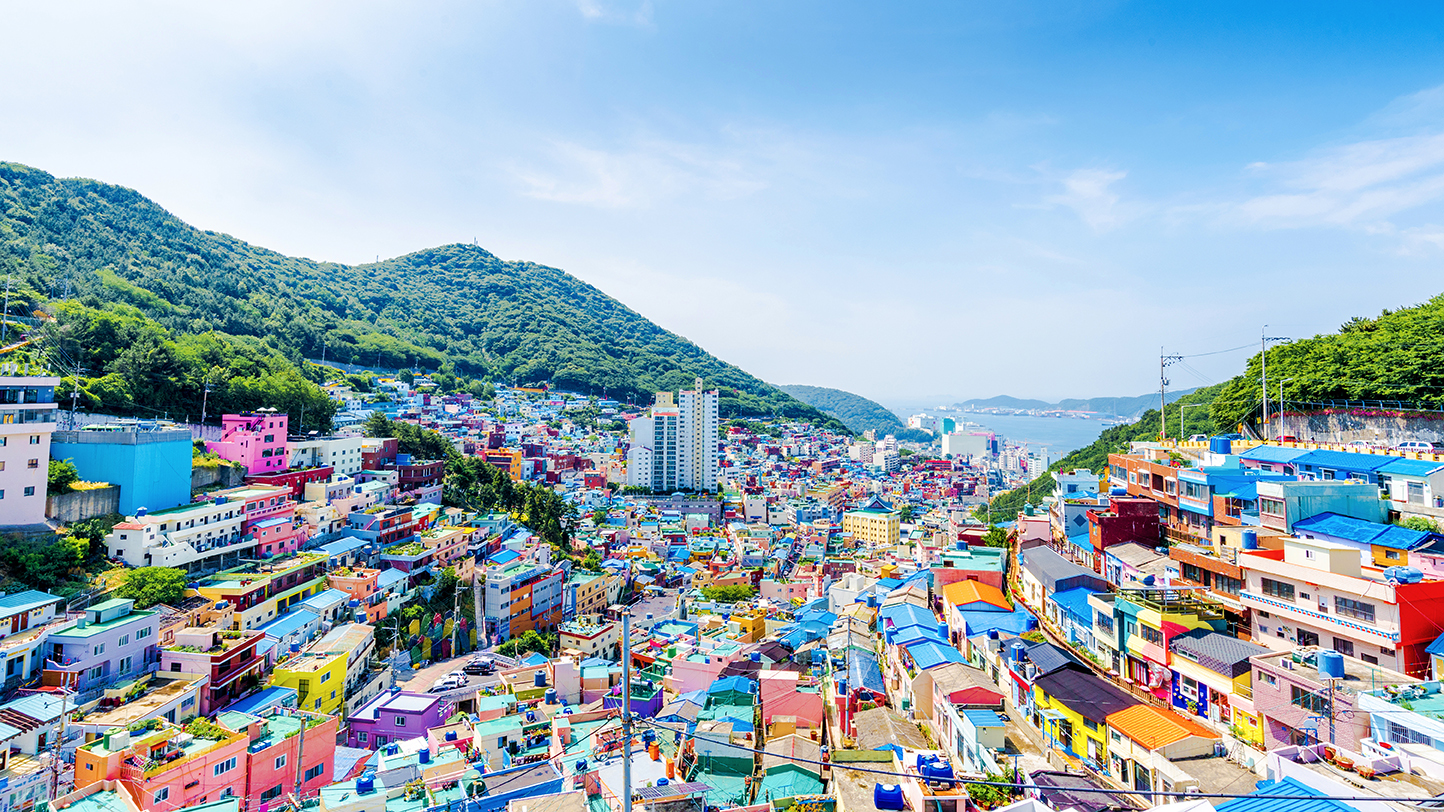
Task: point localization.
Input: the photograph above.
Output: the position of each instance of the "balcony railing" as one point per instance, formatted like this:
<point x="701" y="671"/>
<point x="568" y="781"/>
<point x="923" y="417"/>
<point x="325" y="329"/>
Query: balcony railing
<point x="1271" y="604"/>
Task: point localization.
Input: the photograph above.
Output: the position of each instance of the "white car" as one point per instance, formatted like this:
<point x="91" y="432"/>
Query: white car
<point x="1416" y="445"/>
<point x="446" y="684"/>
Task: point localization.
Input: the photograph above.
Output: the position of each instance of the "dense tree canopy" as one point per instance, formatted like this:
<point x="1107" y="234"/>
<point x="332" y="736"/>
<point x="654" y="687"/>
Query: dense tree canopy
<point x="509" y="321"/>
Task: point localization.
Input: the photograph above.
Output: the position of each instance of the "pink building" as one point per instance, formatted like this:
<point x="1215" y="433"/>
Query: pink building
<point x="279" y="759"/>
<point x="256" y="440"/>
<point x="163" y="766"/>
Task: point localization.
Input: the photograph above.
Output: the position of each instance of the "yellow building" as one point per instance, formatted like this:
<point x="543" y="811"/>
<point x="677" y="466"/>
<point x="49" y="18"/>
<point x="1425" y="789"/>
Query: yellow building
<point x="876" y="523"/>
<point x="1073" y="708"/>
<point x="319" y="680"/>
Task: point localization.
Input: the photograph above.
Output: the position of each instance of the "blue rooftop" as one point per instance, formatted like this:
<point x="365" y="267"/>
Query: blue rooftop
<point x="343" y="546"/>
<point x="17" y="602"/>
<point x="1332" y="525"/>
<point x="324" y="598"/>
<point x="275" y="697"/>
<point x="1403" y="467"/>
<point x="1286" y="787"/>
<point x="982" y="717"/>
<point x="931" y="654"/>
<point x="389" y="577"/>
<point x="863" y="672"/>
<point x="504" y="556"/>
<point x="1344" y="459"/>
<point x="290" y="623"/>
<point x="1075" y="603"/>
<point x="1273" y="453"/>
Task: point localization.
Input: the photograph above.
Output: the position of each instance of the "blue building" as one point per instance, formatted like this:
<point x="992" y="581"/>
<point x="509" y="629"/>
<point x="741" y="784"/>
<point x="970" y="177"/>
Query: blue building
<point x="149" y="460"/>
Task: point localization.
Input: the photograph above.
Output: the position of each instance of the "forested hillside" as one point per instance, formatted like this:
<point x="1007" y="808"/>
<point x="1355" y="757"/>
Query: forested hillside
<point x="1117" y="406"/>
<point x="1395" y="362"/>
<point x="456" y="307"/>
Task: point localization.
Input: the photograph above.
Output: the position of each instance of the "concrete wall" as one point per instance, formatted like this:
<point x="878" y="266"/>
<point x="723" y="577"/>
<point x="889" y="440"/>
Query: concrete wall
<point x="223" y="475"/>
<point x="81" y="505"/>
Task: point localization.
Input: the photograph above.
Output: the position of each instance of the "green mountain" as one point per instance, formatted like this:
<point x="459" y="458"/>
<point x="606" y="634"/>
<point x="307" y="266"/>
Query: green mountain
<point x="855" y="411"/>
<point x="455" y="308"/>
<point x="1125" y="407"/>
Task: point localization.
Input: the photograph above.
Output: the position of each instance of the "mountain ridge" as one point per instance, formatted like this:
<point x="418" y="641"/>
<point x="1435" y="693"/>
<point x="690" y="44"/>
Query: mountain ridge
<point x="1125" y="407"/>
<point x="455" y="308"/>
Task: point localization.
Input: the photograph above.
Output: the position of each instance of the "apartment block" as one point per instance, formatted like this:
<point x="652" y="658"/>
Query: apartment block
<point x="229" y="657"/>
<point x="150" y="461"/>
<point x="677" y="444"/>
<point x="113" y="641"/>
<point x="342" y="454"/>
<point x="1316" y="592"/>
<point x="256" y="440"/>
<point x="520" y="594"/>
<point x="27" y="419"/>
<point x="257" y="595"/>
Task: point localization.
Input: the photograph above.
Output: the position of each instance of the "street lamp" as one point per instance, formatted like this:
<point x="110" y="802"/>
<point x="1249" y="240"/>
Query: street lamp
<point x="1183" y="417"/>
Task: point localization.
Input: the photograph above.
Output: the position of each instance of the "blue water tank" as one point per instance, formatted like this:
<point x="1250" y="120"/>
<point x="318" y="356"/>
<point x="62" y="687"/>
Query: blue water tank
<point x="1016" y="650"/>
<point x="551" y="696"/>
<point x="936" y="769"/>
<point x="581" y="765"/>
<point x="1331" y="664"/>
<point x="1410" y="575"/>
<point x="451" y="735"/>
<point x="1220" y="445"/>
<point x="872" y="600"/>
<point x="539" y="679"/>
<point x="366" y="783"/>
<point x="361" y="617"/>
<point x="220" y="500"/>
<point x="992" y="634"/>
<point x="755" y="656"/>
<point x="531" y="716"/>
<point x="1148" y="580"/>
<point x="295" y="647"/>
<point x="943" y="630"/>
<point x="1118" y="490"/>
<point x="426" y="755"/>
<point x="662" y="782"/>
<point x="353" y="603"/>
<point x="392" y="749"/>
<point x="888" y="796"/>
<point x="1250" y="539"/>
<point x="962" y="545"/>
<point x="140" y="511"/>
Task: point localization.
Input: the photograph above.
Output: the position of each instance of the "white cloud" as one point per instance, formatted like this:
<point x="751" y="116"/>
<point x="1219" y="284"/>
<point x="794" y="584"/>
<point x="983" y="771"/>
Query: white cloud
<point x="600" y="11"/>
<point x="640" y="175"/>
<point x="1087" y="192"/>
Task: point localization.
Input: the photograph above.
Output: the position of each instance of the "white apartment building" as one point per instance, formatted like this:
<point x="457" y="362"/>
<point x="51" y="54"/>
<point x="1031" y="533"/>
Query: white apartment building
<point x="341" y="453"/>
<point x="675" y="446"/>
<point x="27" y="419"/>
<point x="199" y="535"/>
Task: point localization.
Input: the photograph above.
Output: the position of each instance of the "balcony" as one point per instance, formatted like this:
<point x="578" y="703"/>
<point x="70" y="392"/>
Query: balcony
<point x="1307" y="613"/>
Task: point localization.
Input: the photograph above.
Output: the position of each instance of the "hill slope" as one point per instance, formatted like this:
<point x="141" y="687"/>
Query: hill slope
<point x="855" y="411"/>
<point x="456" y="305"/>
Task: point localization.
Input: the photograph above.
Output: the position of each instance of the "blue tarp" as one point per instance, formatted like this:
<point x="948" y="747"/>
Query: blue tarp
<point x="862" y="672"/>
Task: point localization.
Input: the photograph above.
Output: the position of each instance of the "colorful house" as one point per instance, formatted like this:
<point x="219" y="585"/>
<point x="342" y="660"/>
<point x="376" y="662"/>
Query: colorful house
<point x="319" y="679"/>
<point x="1072" y="710"/>
<point x="1144" y="743"/>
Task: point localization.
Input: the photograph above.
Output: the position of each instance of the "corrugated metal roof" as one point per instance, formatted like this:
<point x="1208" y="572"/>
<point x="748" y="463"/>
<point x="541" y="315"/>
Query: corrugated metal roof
<point x="1049" y="567"/>
<point x="1285" y="786"/>
<point x="1220" y="653"/>
<point x="1344" y="459"/>
<point x="1403" y="467"/>
<point x="1154" y="728"/>
<point x="1360" y="531"/>
<point x="17" y="602"/>
<point x="1084" y="694"/>
<point x="1273" y="453"/>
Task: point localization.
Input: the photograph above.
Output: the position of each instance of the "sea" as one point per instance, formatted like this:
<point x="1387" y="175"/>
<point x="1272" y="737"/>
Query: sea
<point x="1060" y="435"/>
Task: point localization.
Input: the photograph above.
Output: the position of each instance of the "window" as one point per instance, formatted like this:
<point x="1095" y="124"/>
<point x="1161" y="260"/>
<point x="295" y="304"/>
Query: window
<point x="225" y="766"/>
<point x="1227" y="584"/>
<point x="361" y="737"/>
<point x="401" y="721"/>
<point x="162" y="794"/>
<point x="1344" y="647"/>
<point x="325" y="676"/>
<point x="124" y="640"/>
<point x="1399" y="733"/>
<point x="1151" y="635"/>
<point x="175" y="666"/>
<point x="1392" y="555"/>
<point x="280" y="761"/>
<point x="142" y="634"/>
<point x="1308" y="699"/>
<point x="315" y="771"/>
<point x="1348" y="607"/>
<point x="97" y="672"/>
<point x="99" y="649"/>
<point x="30" y="490"/>
<point x="33" y="463"/>
<point x="273" y="792"/>
<point x="35" y="439"/>
<point x="1278" y="589"/>
<point x="1273" y="507"/>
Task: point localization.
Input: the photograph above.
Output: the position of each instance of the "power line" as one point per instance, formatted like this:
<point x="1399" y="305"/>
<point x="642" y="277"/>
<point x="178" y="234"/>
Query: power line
<point x="1218" y="352"/>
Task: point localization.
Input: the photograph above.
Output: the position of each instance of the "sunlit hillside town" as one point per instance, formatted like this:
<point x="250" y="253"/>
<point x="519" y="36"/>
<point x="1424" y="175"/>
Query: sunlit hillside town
<point x="650" y="607"/>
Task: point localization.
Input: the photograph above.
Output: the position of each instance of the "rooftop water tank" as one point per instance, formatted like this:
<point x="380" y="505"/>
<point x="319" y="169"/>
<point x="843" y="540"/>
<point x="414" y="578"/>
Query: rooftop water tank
<point x="888" y="797"/>
<point x="551" y="696"/>
<point x="366" y="783"/>
<point x="872" y="600"/>
<point x="140" y="511"/>
<point x="662" y="782"/>
<point x="992" y="634"/>
<point x="426" y="755"/>
<point x="1118" y="490"/>
<point x="962" y="545"/>
<point x="755" y="656"/>
<point x="581" y="765"/>
<point x="1250" y="539"/>
<point x="361" y="617"/>
<point x="531" y="716"/>
<point x="451" y="735"/>
<point x="353" y="603"/>
<point x="943" y="630"/>
<point x="220" y="500"/>
<point x="539" y="679"/>
<point x="1331" y="664"/>
<point x="1016" y="650"/>
<point x="1410" y="575"/>
<point x="295" y="647"/>
<point x="1148" y="580"/>
<point x="1220" y="445"/>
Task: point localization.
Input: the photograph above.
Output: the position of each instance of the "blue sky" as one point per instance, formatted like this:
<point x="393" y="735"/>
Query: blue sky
<point x="912" y="201"/>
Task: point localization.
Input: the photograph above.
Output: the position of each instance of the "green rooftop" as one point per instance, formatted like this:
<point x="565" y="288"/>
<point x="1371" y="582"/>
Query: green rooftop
<point x="91" y="629"/>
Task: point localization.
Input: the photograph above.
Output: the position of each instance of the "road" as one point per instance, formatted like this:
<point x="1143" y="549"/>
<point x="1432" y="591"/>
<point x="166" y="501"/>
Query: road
<point x="428" y="676"/>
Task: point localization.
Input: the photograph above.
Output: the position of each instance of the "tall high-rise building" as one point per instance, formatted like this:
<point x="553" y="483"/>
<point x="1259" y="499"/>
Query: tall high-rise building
<point x="675" y="446"/>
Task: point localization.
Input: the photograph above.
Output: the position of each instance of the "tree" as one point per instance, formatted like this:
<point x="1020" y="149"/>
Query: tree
<point x="729" y="593"/>
<point x="148" y="586"/>
<point x="62" y="475"/>
<point x="989" y="797"/>
<point x="530" y="641"/>
<point x="593" y="561"/>
<point x="905" y="514"/>
<point x="996" y="537"/>
<point x="1421" y="523"/>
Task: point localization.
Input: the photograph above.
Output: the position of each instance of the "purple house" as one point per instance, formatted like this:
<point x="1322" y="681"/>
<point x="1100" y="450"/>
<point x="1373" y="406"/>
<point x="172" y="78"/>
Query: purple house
<point x="394" y="716"/>
<point x="646" y="698"/>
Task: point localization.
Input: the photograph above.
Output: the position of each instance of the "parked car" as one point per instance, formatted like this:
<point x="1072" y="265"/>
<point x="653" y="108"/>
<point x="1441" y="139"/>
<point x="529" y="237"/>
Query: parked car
<point x="1286" y="438"/>
<point x="1198" y="438"/>
<point x="447" y="683"/>
<point x="1418" y="445"/>
<point x="480" y="665"/>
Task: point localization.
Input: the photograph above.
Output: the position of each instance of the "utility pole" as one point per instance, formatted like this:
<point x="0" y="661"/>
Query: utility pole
<point x="1264" y="339"/>
<point x="5" y="322"/>
<point x="627" y="709"/>
<point x="1164" y="362"/>
<point x="205" y="398"/>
